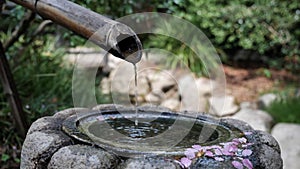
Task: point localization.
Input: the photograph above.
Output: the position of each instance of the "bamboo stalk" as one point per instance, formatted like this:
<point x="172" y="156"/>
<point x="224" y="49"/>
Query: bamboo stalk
<point x="115" y="37"/>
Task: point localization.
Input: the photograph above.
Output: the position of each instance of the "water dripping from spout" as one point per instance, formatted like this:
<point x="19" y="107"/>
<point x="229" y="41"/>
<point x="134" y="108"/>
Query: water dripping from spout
<point x="136" y="94"/>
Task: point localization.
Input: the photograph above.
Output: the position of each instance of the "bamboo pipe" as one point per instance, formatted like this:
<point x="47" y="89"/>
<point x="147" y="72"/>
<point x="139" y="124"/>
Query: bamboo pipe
<point x="115" y="37"/>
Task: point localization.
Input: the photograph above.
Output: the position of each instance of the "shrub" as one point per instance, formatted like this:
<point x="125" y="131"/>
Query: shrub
<point x="269" y="27"/>
<point x="286" y="110"/>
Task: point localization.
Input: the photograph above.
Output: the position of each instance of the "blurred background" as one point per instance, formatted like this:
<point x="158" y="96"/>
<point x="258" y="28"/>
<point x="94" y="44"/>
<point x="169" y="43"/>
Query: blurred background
<point x="258" y="42"/>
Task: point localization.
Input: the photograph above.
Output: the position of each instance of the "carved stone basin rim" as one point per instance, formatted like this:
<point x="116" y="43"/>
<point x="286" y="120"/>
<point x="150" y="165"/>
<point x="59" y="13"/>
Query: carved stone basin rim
<point x="180" y="131"/>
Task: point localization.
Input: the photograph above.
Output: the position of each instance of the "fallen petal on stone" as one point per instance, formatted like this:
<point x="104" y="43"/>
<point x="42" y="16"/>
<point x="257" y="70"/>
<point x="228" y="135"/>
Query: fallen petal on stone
<point x="247" y="133"/>
<point x="209" y="154"/>
<point x="218" y="152"/>
<point x="246" y="152"/>
<point x="243" y="140"/>
<point x="219" y="159"/>
<point x="237" y="164"/>
<point x="197" y="147"/>
<point x="100" y="118"/>
<point x="186" y="162"/>
<point x="247" y="163"/>
<point x="190" y="153"/>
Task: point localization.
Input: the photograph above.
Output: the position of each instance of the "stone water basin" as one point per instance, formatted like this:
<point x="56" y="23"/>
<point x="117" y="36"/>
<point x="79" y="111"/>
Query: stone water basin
<point x="107" y="137"/>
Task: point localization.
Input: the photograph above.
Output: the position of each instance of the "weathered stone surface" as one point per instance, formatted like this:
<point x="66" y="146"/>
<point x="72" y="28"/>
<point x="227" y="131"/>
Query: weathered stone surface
<point x="69" y="112"/>
<point x="82" y="156"/>
<point x="238" y="124"/>
<point x="258" y="119"/>
<point x="265" y="100"/>
<point x="173" y="104"/>
<point x="268" y="139"/>
<point x="107" y="107"/>
<point x="149" y="163"/>
<point x="45" y="123"/>
<point x="268" y="157"/>
<point x="38" y="148"/>
<point x="210" y="163"/>
<point x="45" y="145"/>
<point x="223" y="106"/>
<point x="288" y="136"/>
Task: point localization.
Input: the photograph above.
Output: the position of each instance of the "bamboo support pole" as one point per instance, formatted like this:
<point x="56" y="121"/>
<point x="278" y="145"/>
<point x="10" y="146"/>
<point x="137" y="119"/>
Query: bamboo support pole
<point x="10" y="91"/>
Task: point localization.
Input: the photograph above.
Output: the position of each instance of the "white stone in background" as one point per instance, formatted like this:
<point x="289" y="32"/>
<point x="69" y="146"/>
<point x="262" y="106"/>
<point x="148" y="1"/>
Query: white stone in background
<point x="265" y="100"/>
<point x="161" y="80"/>
<point x="143" y="86"/>
<point x="191" y="100"/>
<point x="105" y="86"/>
<point x="154" y="97"/>
<point x="248" y="105"/>
<point x="223" y="105"/>
<point x="173" y="104"/>
<point x="258" y="119"/>
<point x="288" y="137"/>
<point x="85" y="57"/>
<point x="297" y="93"/>
<point x="205" y="86"/>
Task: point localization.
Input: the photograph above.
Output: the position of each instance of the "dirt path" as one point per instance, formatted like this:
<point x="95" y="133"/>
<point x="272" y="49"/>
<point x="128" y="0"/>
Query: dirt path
<point x="249" y="84"/>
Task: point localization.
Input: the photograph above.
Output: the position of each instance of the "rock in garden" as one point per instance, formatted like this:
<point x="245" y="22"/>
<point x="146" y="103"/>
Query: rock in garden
<point x="38" y="148"/>
<point x="173" y="104"/>
<point x="288" y="136"/>
<point x="151" y="163"/>
<point x="161" y="80"/>
<point x="258" y="119"/>
<point x="82" y="156"/>
<point x="266" y="100"/>
<point x="154" y="97"/>
<point x="190" y="97"/>
<point x="223" y="105"/>
<point x="205" y="86"/>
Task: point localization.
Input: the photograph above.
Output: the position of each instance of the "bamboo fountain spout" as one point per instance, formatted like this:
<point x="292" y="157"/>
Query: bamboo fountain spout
<point x="115" y="37"/>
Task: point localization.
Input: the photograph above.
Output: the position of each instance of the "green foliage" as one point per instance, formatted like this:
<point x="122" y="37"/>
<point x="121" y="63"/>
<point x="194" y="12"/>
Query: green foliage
<point x="287" y="105"/>
<point x="286" y="110"/>
<point x="5" y="157"/>
<point x="269" y="27"/>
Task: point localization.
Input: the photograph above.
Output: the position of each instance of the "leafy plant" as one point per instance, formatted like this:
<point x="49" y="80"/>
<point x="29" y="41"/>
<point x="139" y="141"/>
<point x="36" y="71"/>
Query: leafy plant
<point x="269" y="27"/>
<point x="285" y="110"/>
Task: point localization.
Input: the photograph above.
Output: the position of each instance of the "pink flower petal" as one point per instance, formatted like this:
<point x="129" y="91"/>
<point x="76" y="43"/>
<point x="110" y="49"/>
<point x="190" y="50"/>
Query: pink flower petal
<point x="214" y="147"/>
<point x="218" y="152"/>
<point x="209" y="154"/>
<point x="197" y="147"/>
<point x="236" y="140"/>
<point x="219" y="159"/>
<point x="100" y="118"/>
<point x="178" y="162"/>
<point x="247" y="133"/>
<point x="229" y="149"/>
<point x="190" y="153"/>
<point x="247" y="163"/>
<point x="246" y="152"/>
<point x="185" y="162"/>
<point x="237" y="164"/>
<point x="243" y="140"/>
